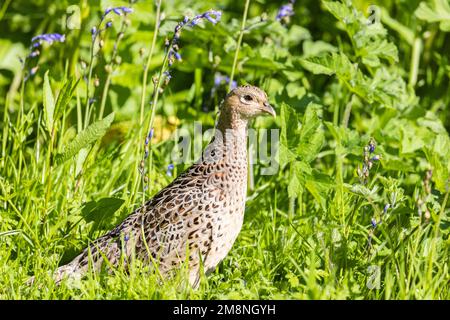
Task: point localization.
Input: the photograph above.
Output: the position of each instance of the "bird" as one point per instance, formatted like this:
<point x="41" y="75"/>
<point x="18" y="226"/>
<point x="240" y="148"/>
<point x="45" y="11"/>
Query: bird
<point x="198" y="216"/>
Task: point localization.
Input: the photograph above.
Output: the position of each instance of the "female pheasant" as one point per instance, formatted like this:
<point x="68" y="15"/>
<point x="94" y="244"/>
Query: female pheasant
<point x="198" y="216"/>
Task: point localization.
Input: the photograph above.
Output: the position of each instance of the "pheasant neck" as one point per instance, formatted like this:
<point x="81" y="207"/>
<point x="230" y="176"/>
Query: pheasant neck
<point x="231" y="134"/>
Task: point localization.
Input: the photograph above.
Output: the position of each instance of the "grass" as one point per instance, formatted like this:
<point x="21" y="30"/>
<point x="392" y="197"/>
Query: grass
<point x="334" y="222"/>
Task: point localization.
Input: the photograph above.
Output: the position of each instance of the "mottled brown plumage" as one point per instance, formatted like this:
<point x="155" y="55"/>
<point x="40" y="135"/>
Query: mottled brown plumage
<point x="198" y="216"/>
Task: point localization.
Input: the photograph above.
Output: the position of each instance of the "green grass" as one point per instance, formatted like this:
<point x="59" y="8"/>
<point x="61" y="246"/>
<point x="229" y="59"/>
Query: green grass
<point x="69" y="170"/>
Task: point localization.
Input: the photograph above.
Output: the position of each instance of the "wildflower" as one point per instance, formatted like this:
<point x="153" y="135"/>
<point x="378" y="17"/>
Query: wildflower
<point x="34" y="70"/>
<point x="117" y="10"/>
<point x="127" y="237"/>
<point x="386" y="207"/>
<point x="368" y="161"/>
<point x="220" y="79"/>
<point x="149" y="137"/>
<point x="373" y="222"/>
<point x="285" y="11"/>
<point x="34" y="53"/>
<point x="206" y="15"/>
<point x="109" y="24"/>
<point x="372" y="146"/>
<point x="169" y="169"/>
<point x="47" y="37"/>
<point x="376" y="158"/>
<point x="92" y="100"/>
<point x="167" y="77"/>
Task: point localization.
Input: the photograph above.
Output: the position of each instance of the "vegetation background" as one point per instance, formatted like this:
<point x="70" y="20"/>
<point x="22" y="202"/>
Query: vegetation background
<point x="359" y="207"/>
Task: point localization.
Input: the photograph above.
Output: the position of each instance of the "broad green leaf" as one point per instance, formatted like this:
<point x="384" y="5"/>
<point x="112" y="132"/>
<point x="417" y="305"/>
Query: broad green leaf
<point x="319" y="65"/>
<point x="65" y="95"/>
<point x="298" y="172"/>
<point x="290" y="134"/>
<point x="49" y="103"/>
<point x="319" y="185"/>
<point x="311" y="134"/>
<point x="92" y="133"/>
<point x="100" y="210"/>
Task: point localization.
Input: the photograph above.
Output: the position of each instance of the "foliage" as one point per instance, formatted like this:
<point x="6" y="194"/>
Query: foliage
<point x="359" y="206"/>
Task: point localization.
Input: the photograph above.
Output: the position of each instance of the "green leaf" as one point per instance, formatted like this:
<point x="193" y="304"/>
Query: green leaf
<point x="441" y="170"/>
<point x="311" y="134"/>
<point x="65" y="95"/>
<point x="290" y="134"/>
<point x="49" y="103"/>
<point x="319" y="65"/>
<point x="101" y="210"/>
<point x="319" y="185"/>
<point x="92" y="133"/>
<point x="440" y="13"/>
<point x="299" y="171"/>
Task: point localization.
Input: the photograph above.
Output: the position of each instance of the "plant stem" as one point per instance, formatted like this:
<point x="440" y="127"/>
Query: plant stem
<point x="91" y="65"/>
<point x="435" y="236"/>
<point x="415" y="61"/>
<point x="149" y="59"/>
<point x="111" y="63"/>
<point x="238" y="45"/>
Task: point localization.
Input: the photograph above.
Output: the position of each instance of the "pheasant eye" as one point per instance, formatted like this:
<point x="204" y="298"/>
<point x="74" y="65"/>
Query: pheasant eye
<point x="248" y="97"/>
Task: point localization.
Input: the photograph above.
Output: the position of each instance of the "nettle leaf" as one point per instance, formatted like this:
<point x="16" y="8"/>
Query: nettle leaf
<point x="368" y="35"/>
<point x="298" y="173"/>
<point x="440" y="13"/>
<point x="92" y="133"/>
<point x="311" y="135"/>
<point x="340" y="11"/>
<point x="316" y="48"/>
<point x="319" y="185"/>
<point x="349" y="140"/>
<point x="386" y="87"/>
<point x="441" y="170"/>
<point x="375" y="50"/>
<point x="49" y="103"/>
<point x="300" y="142"/>
<point x="290" y="133"/>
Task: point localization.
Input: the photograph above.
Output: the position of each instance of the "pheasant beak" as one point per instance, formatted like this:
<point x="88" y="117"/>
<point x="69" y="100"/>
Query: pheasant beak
<point x="267" y="108"/>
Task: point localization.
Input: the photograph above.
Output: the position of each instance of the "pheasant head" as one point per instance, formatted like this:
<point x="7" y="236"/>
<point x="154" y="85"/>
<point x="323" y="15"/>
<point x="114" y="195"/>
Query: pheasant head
<point x="243" y="104"/>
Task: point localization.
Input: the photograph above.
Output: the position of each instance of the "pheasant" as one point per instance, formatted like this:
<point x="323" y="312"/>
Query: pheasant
<point x="197" y="217"/>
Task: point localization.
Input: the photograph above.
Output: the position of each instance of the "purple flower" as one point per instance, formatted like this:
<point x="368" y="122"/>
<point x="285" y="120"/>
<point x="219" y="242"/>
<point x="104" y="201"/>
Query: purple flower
<point x="170" y="169"/>
<point x="48" y="37"/>
<point x="220" y="79"/>
<point x="208" y="16"/>
<point x="376" y="158"/>
<point x="373" y="222"/>
<point x="285" y="11"/>
<point x="126" y="238"/>
<point x="127" y="10"/>
<point x="117" y="10"/>
<point x="386" y="207"/>
<point x="371" y="147"/>
<point x="149" y="136"/>
<point x="108" y="24"/>
<point x="34" y="53"/>
<point x="167" y="74"/>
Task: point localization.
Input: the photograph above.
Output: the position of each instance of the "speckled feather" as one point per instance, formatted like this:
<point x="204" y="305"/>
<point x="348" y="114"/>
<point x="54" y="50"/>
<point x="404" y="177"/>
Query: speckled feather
<point x="198" y="216"/>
